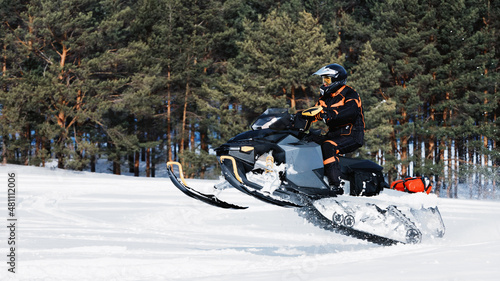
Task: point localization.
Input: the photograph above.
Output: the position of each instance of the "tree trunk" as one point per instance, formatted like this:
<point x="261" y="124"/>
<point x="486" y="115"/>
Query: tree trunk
<point x="92" y="163"/>
<point x="183" y="124"/>
<point x="449" y="174"/>
<point x="60" y="160"/>
<point x="4" y="65"/>
<point x="440" y="159"/>
<point x="292" y="98"/>
<point x="116" y="166"/>
<point x="456" y="170"/>
<point x="153" y="162"/>
<point x="27" y="149"/>
<point x="192" y="142"/>
<point x="169" y="110"/>
<point x="38" y="146"/>
<point x="148" y="162"/>
<point x="45" y="145"/>
<point x="4" y="151"/>
<point x="143" y="154"/>
<point x="394" y="147"/>
<point x="404" y="156"/>
<point x="131" y="167"/>
<point x="203" y="147"/>
<point x="136" y="164"/>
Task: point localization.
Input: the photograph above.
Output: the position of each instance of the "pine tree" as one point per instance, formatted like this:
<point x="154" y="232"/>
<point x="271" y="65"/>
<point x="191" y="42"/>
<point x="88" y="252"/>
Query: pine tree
<point x="459" y="90"/>
<point x="52" y="35"/>
<point x="399" y="42"/>
<point x="376" y="105"/>
<point x="277" y="57"/>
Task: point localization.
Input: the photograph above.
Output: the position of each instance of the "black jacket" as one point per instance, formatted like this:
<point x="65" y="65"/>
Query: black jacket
<point x="343" y="113"/>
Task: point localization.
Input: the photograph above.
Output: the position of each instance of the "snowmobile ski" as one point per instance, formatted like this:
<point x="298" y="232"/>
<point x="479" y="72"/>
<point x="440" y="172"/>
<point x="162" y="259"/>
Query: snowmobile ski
<point x="240" y="183"/>
<point x="207" y="198"/>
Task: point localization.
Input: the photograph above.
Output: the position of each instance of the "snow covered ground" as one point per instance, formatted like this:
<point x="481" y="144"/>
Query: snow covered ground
<point x="84" y="226"/>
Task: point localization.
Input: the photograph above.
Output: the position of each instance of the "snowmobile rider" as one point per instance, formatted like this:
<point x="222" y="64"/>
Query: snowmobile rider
<point x="339" y="106"/>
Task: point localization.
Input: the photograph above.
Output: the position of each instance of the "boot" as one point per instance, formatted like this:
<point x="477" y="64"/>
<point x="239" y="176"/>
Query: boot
<point x="336" y="190"/>
<point x="332" y="172"/>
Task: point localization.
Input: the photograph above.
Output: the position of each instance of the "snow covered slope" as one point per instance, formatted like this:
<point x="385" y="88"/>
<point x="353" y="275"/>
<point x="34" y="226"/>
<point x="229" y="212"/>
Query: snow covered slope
<point x="83" y="226"/>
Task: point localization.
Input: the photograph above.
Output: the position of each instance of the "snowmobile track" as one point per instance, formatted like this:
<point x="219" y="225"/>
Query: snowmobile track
<point x="312" y="215"/>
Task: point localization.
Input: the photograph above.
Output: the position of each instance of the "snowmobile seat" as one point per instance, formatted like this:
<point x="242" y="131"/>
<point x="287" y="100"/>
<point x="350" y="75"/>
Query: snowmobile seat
<point x="349" y="165"/>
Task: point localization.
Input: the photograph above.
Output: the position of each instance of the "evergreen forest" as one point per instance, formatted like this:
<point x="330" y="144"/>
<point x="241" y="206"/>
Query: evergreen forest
<point x="138" y="83"/>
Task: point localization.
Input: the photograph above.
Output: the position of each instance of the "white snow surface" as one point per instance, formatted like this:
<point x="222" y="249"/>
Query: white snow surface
<point x="88" y="226"/>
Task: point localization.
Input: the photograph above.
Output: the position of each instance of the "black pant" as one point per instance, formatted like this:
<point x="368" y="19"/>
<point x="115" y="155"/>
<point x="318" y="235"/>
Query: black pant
<point x="331" y="147"/>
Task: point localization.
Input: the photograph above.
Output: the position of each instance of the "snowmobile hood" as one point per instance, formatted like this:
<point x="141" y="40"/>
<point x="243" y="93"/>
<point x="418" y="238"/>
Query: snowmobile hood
<point x="269" y="135"/>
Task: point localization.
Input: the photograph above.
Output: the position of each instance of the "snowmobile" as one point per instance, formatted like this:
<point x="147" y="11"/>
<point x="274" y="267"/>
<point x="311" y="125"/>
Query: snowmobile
<point x="277" y="163"/>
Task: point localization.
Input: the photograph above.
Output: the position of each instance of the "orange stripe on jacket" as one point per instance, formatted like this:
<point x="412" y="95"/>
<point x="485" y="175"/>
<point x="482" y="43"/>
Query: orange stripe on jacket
<point x="332" y="142"/>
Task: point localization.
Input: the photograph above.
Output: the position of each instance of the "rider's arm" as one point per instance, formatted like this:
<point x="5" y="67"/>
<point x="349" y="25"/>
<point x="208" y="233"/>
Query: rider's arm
<point x="343" y="113"/>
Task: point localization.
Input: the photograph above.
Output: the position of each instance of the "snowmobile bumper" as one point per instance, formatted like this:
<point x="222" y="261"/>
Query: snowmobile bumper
<point x="207" y="198"/>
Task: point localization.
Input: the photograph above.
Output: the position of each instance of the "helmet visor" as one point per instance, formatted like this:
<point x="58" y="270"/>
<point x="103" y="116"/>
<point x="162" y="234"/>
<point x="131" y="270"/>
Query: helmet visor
<point x="327" y="80"/>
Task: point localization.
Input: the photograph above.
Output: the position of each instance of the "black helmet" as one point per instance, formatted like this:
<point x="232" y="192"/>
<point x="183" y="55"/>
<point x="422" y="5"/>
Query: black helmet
<point x="333" y="76"/>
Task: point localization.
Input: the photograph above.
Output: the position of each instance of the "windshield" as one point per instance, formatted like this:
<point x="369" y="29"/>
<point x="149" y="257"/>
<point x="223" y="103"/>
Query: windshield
<point x="272" y="118"/>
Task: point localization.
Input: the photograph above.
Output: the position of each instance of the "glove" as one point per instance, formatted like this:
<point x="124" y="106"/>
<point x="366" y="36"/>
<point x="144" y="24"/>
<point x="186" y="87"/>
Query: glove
<point x="313" y="111"/>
